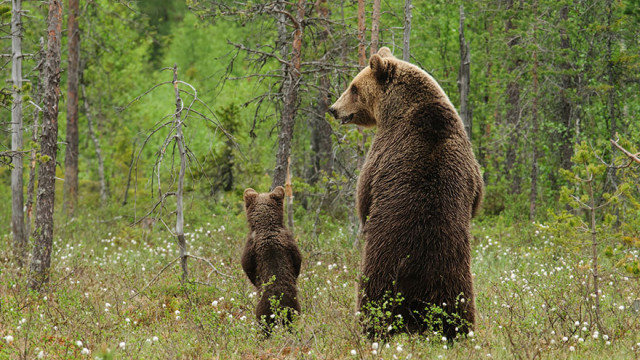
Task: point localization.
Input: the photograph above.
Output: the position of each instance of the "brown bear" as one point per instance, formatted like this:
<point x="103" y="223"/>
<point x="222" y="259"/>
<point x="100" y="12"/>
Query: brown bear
<point x="417" y="191"/>
<point x="271" y="258"/>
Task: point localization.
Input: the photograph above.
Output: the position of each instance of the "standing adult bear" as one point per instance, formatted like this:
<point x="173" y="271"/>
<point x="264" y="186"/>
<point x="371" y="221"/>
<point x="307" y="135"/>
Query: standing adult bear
<point x="418" y="189"/>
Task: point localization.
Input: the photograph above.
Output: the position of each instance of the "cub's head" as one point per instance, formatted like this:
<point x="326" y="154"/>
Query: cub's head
<point x="264" y="210"/>
<point x="358" y="103"/>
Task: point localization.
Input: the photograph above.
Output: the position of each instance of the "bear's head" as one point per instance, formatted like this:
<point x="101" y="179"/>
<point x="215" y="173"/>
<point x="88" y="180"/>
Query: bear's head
<point x="264" y="210"/>
<point x="357" y="105"/>
<point x="387" y="90"/>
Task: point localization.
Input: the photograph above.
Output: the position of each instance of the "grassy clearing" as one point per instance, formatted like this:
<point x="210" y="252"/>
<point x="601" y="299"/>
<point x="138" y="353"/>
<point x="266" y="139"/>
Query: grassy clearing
<point x="533" y="297"/>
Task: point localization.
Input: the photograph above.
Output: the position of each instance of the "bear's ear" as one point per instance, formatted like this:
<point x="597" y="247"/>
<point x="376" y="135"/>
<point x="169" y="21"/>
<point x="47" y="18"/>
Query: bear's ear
<point x="379" y="68"/>
<point x="250" y="196"/>
<point x="385" y="52"/>
<point x="278" y="193"/>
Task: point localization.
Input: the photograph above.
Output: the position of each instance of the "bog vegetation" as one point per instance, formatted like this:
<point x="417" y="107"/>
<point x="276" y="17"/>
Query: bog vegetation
<point x="180" y="106"/>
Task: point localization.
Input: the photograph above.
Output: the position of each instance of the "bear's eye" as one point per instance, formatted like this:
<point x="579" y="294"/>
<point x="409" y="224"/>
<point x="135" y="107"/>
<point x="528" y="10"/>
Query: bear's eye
<point x="354" y="90"/>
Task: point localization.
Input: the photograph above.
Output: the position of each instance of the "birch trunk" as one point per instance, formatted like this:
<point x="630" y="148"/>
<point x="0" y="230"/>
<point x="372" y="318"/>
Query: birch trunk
<point x="406" y="50"/>
<point x="464" y="78"/>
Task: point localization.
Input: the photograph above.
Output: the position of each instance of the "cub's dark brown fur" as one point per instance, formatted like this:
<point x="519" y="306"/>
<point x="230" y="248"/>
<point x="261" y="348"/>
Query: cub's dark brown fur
<point x="417" y="192"/>
<point x="271" y="258"/>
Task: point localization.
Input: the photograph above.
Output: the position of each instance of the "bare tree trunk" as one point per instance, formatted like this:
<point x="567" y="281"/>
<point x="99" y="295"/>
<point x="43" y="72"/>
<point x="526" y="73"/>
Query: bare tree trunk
<point x="406" y="53"/>
<point x="37" y="98"/>
<point x="71" y="152"/>
<point x="17" y="190"/>
<point x="104" y="191"/>
<point x="362" y="28"/>
<point x="183" y="166"/>
<point x="375" y="28"/>
<point x="533" y="196"/>
<point x="41" y="261"/>
<point x="594" y="249"/>
<point x="464" y="78"/>
<point x="290" y="105"/>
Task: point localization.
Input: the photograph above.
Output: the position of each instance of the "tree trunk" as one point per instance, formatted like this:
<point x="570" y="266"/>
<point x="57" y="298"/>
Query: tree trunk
<point x="104" y="191"/>
<point x="290" y="104"/>
<point x="406" y="52"/>
<point x="566" y="80"/>
<point x="362" y="28"/>
<point x="37" y="98"/>
<point x="43" y="234"/>
<point x="513" y="105"/>
<point x="17" y="188"/>
<point x="533" y="196"/>
<point x="611" y="94"/>
<point x="71" y="153"/>
<point x="464" y="78"/>
<point x="183" y="166"/>
<point x="375" y="27"/>
<point x="321" y="143"/>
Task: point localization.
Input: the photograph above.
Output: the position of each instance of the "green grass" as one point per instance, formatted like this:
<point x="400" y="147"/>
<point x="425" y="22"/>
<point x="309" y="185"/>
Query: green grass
<point x="533" y="296"/>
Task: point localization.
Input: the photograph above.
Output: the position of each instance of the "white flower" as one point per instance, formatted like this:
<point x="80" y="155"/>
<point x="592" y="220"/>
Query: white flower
<point x="572" y="348"/>
<point x="581" y="340"/>
<point x="79" y="343"/>
<point x="122" y="345"/>
<point x="399" y="348"/>
<point x="605" y="337"/>
<point x="608" y="343"/>
<point x="8" y="339"/>
<point x="85" y="351"/>
<point x="577" y="323"/>
<point x="477" y="347"/>
<point x="353" y="352"/>
<point x="444" y="338"/>
<point x="374" y="346"/>
<point x="471" y="333"/>
<point x="177" y="312"/>
<point x="155" y="338"/>
<point x="565" y="339"/>
<point x="214" y="303"/>
<point x="621" y="307"/>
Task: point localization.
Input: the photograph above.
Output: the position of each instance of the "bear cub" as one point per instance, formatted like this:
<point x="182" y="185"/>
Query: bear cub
<point x="271" y="258"/>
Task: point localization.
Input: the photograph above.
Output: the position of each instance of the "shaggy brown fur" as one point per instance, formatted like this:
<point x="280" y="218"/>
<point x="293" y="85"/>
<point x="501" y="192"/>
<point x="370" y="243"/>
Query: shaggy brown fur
<point x="271" y="258"/>
<point x="417" y="192"/>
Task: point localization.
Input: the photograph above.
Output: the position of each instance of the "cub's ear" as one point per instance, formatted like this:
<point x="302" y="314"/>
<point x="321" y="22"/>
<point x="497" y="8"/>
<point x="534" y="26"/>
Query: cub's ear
<point x="379" y="68"/>
<point x="278" y="193"/>
<point x="250" y="196"/>
<point x="385" y="52"/>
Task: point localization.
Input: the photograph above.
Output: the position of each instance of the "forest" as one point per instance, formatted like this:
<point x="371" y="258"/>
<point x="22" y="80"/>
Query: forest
<point x="130" y="130"/>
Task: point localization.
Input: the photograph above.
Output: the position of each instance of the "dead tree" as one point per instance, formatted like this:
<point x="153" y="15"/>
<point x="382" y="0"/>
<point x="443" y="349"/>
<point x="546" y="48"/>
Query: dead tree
<point x="174" y="139"/>
<point x="17" y="196"/>
<point x="73" y="71"/>
<point x="464" y="78"/>
<point x="41" y="261"/>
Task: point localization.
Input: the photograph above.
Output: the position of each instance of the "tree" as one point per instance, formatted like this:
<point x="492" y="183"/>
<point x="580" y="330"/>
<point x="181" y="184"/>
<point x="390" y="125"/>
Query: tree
<point x="73" y="71"/>
<point x="375" y="28"/>
<point x="290" y="87"/>
<point x="17" y="195"/>
<point x="41" y="261"/>
<point x="406" y="39"/>
<point x="464" y="78"/>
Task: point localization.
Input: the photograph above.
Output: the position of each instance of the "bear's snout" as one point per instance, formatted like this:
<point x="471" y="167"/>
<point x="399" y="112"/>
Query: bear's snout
<point x="333" y="112"/>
